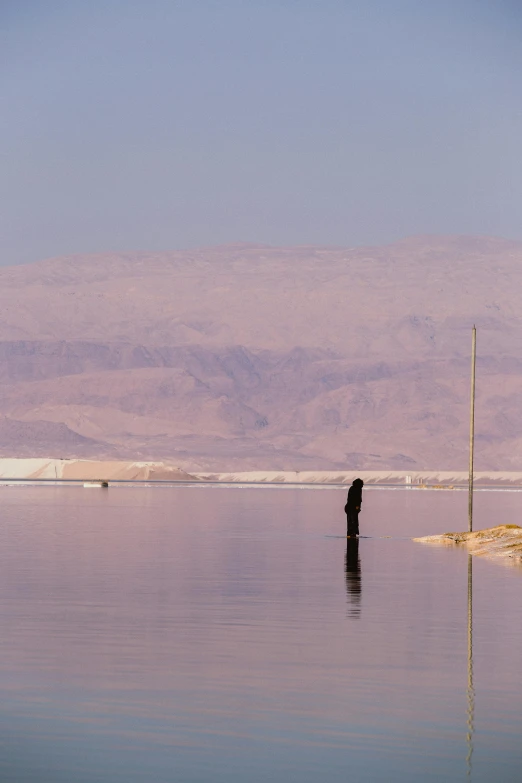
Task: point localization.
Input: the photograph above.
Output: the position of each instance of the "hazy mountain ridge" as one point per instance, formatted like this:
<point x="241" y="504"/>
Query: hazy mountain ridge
<point x="256" y="357"/>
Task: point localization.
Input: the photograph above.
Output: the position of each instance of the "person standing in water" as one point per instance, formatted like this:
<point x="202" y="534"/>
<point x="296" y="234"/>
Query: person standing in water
<point x="352" y="508"/>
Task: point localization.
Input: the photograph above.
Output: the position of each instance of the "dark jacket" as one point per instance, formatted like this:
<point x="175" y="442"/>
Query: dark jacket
<point x="354" y="497"/>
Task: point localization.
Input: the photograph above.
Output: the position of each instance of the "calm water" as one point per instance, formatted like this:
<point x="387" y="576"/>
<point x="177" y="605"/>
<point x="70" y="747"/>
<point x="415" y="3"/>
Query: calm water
<point x="211" y="634"/>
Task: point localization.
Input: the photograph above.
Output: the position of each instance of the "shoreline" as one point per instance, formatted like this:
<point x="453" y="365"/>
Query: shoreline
<point x="502" y="541"/>
<point x="50" y="470"/>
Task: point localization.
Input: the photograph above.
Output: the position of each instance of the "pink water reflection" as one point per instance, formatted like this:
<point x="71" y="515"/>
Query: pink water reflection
<point x="198" y="629"/>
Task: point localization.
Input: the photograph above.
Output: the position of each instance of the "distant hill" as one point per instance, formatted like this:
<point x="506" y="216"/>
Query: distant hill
<point x="252" y="357"/>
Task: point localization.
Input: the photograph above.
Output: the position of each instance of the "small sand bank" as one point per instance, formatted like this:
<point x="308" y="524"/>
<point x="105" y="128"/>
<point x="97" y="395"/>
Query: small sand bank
<point x="426" y="479"/>
<point x="89" y="470"/>
<point x="502" y="541"/>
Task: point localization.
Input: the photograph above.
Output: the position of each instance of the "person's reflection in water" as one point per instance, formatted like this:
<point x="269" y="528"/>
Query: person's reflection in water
<point x="352" y="570"/>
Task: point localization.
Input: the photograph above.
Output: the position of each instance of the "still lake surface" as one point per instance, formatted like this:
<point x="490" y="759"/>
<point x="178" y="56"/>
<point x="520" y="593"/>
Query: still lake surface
<point x="214" y="634"/>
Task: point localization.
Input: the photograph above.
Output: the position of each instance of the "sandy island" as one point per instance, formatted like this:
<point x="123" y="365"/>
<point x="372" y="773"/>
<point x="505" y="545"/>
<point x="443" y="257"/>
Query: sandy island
<point x="503" y="541"/>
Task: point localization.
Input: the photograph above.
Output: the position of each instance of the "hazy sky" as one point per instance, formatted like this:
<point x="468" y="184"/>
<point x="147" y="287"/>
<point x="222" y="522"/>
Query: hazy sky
<point x="162" y="124"/>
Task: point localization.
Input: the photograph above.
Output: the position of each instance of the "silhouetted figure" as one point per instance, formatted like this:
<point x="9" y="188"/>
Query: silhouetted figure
<point x="352" y="570"/>
<point x="353" y="506"/>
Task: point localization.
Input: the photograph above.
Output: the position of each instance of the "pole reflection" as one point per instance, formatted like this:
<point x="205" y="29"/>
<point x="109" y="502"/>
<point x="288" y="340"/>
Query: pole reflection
<point x="352" y="570"/>
<point x="470" y="689"/>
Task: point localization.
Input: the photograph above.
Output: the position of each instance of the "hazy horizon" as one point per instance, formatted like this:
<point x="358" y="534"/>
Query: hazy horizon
<point x="160" y="125"/>
<point x="249" y="245"/>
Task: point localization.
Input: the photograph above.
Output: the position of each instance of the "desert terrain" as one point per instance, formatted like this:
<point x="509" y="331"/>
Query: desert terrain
<point x="257" y="358"/>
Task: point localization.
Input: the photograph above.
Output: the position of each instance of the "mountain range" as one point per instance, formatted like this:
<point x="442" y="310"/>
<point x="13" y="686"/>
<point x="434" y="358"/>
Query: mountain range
<point x="244" y="357"/>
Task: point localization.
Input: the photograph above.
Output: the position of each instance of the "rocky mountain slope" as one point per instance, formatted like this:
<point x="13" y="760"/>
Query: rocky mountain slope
<point x="252" y="357"/>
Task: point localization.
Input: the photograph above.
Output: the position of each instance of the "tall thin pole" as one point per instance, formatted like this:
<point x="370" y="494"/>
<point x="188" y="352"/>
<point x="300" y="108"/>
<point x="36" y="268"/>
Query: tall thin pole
<point x="472" y="427"/>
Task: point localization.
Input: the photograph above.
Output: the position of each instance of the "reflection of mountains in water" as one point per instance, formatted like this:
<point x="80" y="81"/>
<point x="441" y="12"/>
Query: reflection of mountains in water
<point x="352" y="570"/>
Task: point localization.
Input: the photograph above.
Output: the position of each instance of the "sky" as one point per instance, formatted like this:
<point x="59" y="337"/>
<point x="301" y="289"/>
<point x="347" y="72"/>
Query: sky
<point x="168" y="124"/>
